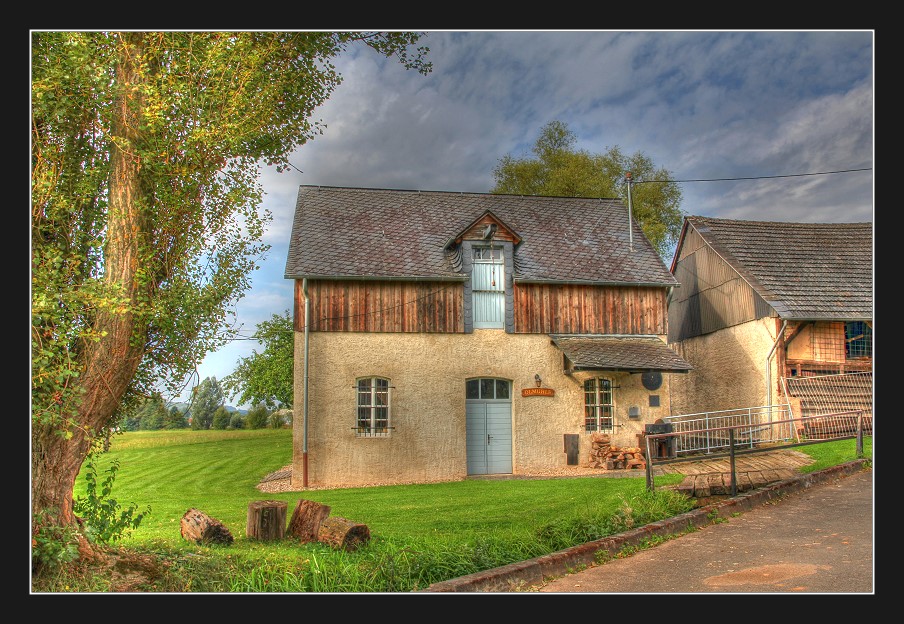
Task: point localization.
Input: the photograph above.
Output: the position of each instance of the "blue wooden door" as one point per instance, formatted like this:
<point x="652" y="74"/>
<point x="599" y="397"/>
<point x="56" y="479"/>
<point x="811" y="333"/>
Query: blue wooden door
<point x="489" y="430"/>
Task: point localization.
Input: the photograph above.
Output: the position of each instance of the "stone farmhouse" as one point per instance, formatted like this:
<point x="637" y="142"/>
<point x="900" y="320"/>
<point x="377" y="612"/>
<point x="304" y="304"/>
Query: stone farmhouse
<point x="442" y="335"/>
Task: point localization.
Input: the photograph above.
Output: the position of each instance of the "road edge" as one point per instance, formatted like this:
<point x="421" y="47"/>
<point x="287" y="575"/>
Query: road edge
<point x="520" y="576"/>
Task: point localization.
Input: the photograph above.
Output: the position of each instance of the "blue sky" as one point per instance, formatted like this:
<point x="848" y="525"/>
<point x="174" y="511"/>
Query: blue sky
<point x="704" y="105"/>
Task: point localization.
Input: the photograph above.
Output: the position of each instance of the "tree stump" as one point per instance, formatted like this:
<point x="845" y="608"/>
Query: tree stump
<point x="306" y="520"/>
<point x="342" y="533"/>
<point x="198" y="527"/>
<point x="266" y="520"/>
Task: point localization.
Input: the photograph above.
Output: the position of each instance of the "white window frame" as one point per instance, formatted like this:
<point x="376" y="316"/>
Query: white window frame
<point x="596" y="421"/>
<point x="481" y="256"/>
<point x="369" y="421"/>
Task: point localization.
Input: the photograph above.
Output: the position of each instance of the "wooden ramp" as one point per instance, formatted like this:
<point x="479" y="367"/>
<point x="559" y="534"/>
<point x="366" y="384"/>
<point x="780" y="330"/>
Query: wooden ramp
<point x="712" y="476"/>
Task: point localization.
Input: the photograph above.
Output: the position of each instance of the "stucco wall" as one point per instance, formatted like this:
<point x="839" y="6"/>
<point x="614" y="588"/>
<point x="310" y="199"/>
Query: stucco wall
<point x="427" y="373"/>
<point x="729" y="369"/>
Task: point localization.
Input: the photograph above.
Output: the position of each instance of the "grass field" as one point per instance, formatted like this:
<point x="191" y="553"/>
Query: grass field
<point x="420" y="534"/>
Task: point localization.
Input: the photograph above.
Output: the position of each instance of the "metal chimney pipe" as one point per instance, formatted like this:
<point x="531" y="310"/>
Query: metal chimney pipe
<point x="630" y="220"/>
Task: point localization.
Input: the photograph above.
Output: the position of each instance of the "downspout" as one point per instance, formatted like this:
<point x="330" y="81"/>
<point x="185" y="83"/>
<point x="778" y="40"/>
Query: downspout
<point x="304" y="444"/>
<point x="781" y="332"/>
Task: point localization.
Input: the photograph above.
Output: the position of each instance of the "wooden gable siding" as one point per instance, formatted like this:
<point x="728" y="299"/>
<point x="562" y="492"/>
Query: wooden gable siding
<point x="582" y="309"/>
<point x="475" y="232"/>
<point x="381" y="306"/>
<point x="711" y="296"/>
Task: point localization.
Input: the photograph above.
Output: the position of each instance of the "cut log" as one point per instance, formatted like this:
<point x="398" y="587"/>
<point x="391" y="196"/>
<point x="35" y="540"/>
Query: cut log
<point x="343" y="533"/>
<point x="306" y="520"/>
<point x="198" y="527"/>
<point x="266" y="520"/>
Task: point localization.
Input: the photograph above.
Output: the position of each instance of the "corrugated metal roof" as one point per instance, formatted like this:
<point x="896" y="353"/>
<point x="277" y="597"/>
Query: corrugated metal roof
<point x="626" y="353"/>
<point x="403" y="234"/>
<point x="805" y="271"/>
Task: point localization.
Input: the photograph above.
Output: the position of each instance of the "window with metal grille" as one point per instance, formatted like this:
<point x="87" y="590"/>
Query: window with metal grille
<point x="598" y="405"/>
<point x="373" y="407"/>
<point x="858" y="339"/>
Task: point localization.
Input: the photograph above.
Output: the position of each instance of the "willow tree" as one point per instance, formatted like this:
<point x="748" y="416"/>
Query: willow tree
<point x="558" y="169"/>
<point x="146" y="210"/>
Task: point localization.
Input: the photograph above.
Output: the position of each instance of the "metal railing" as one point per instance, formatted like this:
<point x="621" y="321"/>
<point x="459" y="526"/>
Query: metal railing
<point x="707" y="432"/>
<point x="807" y="430"/>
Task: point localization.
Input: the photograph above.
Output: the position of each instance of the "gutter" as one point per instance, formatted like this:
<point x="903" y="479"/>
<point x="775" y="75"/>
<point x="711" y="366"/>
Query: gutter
<point x="381" y="278"/>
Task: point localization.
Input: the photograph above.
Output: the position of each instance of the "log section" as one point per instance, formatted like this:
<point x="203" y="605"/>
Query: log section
<point x="198" y="527"/>
<point x="306" y="520"/>
<point x="266" y="520"/>
<point x="343" y="534"/>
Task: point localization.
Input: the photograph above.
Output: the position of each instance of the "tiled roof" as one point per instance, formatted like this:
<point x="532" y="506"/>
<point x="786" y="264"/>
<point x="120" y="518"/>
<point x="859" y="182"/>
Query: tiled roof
<point x="399" y="234"/>
<point x="633" y="353"/>
<point x="805" y="271"/>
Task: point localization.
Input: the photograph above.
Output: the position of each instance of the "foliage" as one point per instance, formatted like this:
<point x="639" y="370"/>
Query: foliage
<point x="237" y="421"/>
<point x="206" y="400"/>
<point x="257" y="417"/>
<point x="175" y="419"/>
<point x="221" y="418"/>
<point x="146" y="218"/>
<point x="153" y="414"/>
<point x="52" y="545"/>
<point x="276" y="420"/>
<point x="106" y="520"/>
<point x="559" y="169"/>
<point x="267" y="377"/>
<point x="130" y="421"/>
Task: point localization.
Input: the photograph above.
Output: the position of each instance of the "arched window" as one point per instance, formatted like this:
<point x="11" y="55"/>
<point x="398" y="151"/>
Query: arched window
<point x="373" y="407"/>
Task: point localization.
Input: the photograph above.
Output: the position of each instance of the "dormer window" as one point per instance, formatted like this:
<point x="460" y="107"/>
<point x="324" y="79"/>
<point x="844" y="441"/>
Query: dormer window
<point x="488" y="286"/>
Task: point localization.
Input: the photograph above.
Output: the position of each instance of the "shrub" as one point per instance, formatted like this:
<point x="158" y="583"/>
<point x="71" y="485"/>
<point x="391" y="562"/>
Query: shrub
<point x="175" y="419"/>
<point x="221" y="418"/>
<point x="105" y="519"/>
<point x="237" y="421"/>
<point x="257" y="417"/>
<point x="52" y="545"/>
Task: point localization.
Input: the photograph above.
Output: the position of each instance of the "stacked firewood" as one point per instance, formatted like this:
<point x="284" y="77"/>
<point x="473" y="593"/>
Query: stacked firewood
<point x="604" y="455"/>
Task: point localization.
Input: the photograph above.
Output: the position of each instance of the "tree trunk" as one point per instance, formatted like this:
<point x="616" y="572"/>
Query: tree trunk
<point x="266" y="520"/>
<point x="108" y="365"/>
<point x="306" y="520"/>
<point x="342" y="533"/>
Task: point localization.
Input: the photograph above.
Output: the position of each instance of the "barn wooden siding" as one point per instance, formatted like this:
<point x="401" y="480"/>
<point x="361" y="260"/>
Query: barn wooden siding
<point x="712" y="294"/>
<point x="381" y="306"/>
<point x="582" y="309"/>
<point x="437" y="307"/>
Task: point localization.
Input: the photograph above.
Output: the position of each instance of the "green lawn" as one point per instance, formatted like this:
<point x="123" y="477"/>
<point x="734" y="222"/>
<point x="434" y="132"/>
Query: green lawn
<point x="420" y="534"/>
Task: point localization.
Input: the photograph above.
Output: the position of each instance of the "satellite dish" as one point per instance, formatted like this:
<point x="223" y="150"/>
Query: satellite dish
<point x="652" y="380"/>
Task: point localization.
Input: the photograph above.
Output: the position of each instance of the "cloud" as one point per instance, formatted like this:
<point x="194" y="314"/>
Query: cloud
<point x="701" y="104"/>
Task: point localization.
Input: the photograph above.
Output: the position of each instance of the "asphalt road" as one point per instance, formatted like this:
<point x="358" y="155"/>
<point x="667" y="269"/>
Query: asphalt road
<point x="819" y="540"/>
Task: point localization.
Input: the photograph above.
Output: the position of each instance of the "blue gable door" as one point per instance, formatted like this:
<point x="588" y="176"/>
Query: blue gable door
<point x="488" y="287"/>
